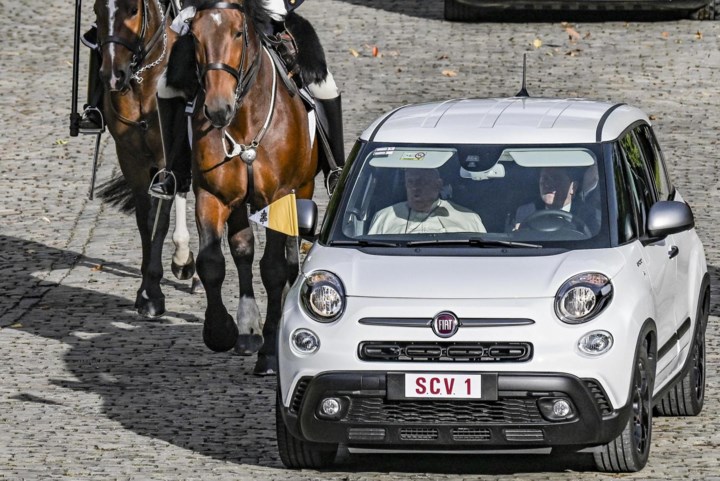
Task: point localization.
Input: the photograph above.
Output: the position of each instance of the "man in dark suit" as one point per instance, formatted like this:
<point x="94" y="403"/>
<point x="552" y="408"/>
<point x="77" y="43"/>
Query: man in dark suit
<point x="559" y="191"/>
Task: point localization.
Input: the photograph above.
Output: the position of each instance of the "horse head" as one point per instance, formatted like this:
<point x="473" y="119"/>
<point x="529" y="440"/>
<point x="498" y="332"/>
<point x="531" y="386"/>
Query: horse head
<point x="227" y="50"/>
<point x="128" y="30"/>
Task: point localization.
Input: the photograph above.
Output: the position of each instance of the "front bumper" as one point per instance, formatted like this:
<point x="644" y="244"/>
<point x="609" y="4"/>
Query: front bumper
<point x="512" y="420"/>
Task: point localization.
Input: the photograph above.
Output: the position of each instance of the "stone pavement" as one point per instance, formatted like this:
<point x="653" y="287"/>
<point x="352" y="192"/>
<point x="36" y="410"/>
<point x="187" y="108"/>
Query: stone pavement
<point x="90" y="391"/>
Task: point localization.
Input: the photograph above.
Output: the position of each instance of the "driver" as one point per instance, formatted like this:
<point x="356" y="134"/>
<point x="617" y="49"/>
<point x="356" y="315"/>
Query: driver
<point x="424" y="211"/>
<point x="556" y="192"/>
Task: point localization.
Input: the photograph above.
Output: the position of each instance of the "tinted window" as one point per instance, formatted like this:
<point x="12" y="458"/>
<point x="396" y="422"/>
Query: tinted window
<point x="642" y="190"/>
<point x="623" y="196"/>
<point x="655" y="162"/>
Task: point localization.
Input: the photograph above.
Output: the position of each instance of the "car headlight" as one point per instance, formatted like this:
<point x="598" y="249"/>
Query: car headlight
<point x="582" y="297"/>
<point x="323" y="296"/>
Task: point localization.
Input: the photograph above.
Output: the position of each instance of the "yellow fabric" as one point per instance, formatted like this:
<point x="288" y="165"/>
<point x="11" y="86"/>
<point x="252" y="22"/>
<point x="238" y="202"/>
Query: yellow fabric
<point x="282" y="216"/>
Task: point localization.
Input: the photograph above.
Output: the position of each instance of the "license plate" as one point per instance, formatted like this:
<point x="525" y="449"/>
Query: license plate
<point x="453" y="386"/>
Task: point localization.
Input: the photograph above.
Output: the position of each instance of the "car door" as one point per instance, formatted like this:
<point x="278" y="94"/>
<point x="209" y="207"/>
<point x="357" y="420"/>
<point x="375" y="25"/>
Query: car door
<point x="658" y="257"/>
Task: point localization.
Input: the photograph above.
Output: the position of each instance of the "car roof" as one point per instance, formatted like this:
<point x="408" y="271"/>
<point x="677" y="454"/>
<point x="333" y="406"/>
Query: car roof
<point x="512" y="120"/>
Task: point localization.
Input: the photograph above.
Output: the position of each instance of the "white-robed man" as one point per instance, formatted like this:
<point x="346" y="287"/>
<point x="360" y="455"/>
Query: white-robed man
<point x="424" y="211"/>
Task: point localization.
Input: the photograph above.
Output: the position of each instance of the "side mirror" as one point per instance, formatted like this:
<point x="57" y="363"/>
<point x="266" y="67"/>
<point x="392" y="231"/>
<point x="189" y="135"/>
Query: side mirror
<point x="668" y="217"/>
<point x="307" y="212"/>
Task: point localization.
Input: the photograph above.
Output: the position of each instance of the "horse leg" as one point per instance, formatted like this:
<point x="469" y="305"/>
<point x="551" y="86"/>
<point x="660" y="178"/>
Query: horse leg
<point x="150" y="300"/>
<point x="219" y="332"/>
<point x="242" y="247"/>
<point x="292" y="255"/>
<point x="274" y="273"/>
<point x="183" y="261"/>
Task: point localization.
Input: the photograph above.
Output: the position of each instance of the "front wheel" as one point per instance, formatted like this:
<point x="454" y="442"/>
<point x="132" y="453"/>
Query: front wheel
<point x="630" y="450"/>
<point x="298" y="454"/>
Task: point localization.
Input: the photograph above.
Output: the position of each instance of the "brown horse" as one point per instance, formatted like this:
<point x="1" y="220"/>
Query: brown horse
<point x="244" y="111"/>
<point x="135" y="40"/>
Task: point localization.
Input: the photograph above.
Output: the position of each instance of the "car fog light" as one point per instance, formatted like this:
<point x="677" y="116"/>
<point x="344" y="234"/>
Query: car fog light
<point x="556" y="409"/>
<point x="561" y="408"/>
<point x="595" y="343"/>
<point x="305" y="341"/>
<point x="330" y="406"/>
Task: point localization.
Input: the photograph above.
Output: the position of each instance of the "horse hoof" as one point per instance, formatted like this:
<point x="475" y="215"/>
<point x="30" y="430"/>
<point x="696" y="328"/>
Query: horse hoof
<point x="265" y="365"/>
<point x="222" y="336"/>
<point x="150" y="307"/>
<point x="186" y="271"/>
<point x="197" y="286"/>
<point x="248" y="344"/>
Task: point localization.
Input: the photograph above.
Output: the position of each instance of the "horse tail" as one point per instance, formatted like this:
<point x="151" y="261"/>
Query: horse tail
<point x="117" y="193"/>
<point x="311" y="56"/>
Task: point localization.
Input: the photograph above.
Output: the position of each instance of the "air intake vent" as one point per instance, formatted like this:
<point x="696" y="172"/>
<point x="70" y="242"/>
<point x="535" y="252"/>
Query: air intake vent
<point x="471" y="434"/>
<point x="299" y="394"/>
<point x="599" y="395"/>
<point x="418" y="434"/>
<point x="366" y="434"/>
<point x="524" y="435"/>
<point x="445" y="351"/>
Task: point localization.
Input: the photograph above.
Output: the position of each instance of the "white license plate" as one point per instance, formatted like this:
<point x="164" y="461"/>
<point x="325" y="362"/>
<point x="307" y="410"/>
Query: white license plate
<point x="455" y="386"/>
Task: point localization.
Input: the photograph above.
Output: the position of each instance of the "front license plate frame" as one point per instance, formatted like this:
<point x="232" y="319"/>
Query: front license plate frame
<point x="396" y="386"/>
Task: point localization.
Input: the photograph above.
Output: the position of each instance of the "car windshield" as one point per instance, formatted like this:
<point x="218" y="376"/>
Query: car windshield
<point x="474" y="195"/>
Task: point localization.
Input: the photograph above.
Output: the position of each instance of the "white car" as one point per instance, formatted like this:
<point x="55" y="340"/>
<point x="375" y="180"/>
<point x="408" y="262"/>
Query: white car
<point x="542" y="288"/>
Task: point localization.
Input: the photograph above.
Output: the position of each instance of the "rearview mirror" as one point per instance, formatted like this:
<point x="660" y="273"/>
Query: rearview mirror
<point x="668" y="217"/>
<point x="307" y="212"/>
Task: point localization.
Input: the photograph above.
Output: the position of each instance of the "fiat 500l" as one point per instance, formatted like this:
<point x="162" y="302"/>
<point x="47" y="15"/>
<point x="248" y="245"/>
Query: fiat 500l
<point x="496" y="274"/>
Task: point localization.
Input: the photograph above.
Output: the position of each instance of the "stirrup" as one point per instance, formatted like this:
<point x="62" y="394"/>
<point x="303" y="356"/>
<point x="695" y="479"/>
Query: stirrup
<point x="159" y="195"/>
<point x="335" y="173"/>
<point x="90" y="126"/>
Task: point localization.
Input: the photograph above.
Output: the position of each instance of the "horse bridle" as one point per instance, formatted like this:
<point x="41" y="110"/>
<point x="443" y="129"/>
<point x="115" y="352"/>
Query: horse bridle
<point x="243" y="79"/>
<point x="139" y="49"/>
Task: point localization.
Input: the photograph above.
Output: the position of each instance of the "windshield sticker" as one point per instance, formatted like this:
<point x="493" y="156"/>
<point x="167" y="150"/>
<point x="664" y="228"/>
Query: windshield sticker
<point x="413" y="156"/>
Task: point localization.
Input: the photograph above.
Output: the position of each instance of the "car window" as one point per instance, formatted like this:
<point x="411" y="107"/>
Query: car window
<point x="655" y="161"/>
<point x="643" y="194"/>
<point x="626" y="223"/>
<point x="545" y="195"/>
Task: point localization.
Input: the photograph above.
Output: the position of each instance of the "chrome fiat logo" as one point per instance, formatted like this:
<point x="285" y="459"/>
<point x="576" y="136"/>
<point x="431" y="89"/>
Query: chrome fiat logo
<point x="445" y="324"/>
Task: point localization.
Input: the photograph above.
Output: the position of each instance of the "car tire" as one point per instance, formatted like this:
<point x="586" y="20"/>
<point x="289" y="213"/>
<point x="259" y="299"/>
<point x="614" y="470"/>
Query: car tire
<point x="456" y="11"/>
<point x="630" y="450"/>
<point x="687" y="396"/>
<point x="298" y="454"/>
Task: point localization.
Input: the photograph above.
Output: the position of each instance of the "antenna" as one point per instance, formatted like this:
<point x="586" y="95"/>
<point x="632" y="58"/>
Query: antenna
<point x="523" y="91"/>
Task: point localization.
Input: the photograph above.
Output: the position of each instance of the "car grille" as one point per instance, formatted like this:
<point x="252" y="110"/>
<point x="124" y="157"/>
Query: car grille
<point x="599" y="395"/>
<point x="503" y="411"/>
<point x="445" y="351"/>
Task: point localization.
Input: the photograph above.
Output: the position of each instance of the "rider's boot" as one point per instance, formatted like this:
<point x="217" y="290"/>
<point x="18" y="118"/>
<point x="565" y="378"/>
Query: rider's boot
<point x="330" y="115"/>
<point x="177" y="176"/>
<point x="92" y="121"/>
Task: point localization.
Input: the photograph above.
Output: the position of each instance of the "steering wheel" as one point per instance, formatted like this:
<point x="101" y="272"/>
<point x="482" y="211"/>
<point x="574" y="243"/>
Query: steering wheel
<point x="553" y="220"/>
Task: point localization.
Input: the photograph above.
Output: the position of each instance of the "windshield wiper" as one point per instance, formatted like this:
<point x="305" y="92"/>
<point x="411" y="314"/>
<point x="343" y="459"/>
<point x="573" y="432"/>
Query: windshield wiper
<point x="475" y="241"/>
<point x="363" y="243"/>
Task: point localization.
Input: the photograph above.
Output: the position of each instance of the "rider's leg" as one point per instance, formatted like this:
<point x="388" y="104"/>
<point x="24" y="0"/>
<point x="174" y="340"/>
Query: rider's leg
<point x="91" y="120"/>
<point x="176" y="143"/>
<point x="329" y="109"/>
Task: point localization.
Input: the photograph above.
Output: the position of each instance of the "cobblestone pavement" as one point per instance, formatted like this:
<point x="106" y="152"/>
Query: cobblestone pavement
<point x="90" y="391"/>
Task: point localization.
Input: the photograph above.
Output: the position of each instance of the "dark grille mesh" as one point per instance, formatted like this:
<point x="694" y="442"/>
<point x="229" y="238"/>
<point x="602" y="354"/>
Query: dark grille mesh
<point x="299" y="394"/>
<point x="504" y="411"/>
<point x="445" y="351"/>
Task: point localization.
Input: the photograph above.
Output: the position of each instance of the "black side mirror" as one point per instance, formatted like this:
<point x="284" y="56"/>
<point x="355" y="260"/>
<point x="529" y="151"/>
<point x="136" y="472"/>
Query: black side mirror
<point x="669" y="217"/>
<point x="307" y="217"/>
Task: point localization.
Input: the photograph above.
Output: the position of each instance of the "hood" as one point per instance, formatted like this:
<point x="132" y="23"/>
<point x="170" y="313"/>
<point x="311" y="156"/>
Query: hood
<point x="458" y="277"/>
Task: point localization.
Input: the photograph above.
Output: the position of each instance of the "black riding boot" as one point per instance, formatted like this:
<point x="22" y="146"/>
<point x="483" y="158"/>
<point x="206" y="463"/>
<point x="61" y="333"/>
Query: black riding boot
<point x="330" y="116"/>
<point x="92" y="119"/>
<point x="176" y="144"/>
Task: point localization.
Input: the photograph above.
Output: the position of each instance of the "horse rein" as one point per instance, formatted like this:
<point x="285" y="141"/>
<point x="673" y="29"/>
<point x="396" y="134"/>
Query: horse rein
<point x="139" y="50"/>
<point x="243" y="79"/>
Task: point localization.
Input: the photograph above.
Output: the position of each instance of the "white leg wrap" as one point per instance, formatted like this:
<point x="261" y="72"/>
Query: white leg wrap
<point x="181" y="235"/>
<point x="248" y="316"/>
